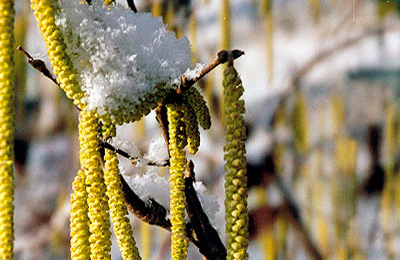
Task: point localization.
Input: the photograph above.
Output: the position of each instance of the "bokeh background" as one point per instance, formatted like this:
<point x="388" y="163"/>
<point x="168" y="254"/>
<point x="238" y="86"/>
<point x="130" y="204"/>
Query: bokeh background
<point x="322" y="82"/>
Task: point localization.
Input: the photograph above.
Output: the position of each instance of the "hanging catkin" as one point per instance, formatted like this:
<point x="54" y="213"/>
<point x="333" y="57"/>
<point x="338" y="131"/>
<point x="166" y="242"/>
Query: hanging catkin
<point x="236" y="212"/>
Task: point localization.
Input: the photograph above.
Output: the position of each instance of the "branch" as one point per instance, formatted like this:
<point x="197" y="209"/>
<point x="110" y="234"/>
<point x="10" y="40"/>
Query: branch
<point x="199" y="230"/>
<point x="105" y="144"/>
<point x="38" y="65"/>
<point x="162" y="119"/>
<point x="132" y="6"/>
<point x="210" y="244"/>
<point x="153" y="213"/>
<point x="222" y="57"/>
<point x="325" y="54"/>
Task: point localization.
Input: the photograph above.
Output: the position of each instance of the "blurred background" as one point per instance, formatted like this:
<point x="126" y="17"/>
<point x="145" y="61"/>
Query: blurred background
<point x="322" y="83"/>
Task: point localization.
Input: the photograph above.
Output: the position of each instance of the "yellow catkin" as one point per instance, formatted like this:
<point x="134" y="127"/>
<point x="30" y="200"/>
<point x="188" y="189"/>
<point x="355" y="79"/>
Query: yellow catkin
<point x="45" y="12"/>
<point x="316" y="9"/>
<point x="390" y="140"/>
<point x="390" y="191"/>
<point x="135" y="113"/>
<point x="279" y="125"/>
<point x="225" y="43"/>
<point x="344" y="185"/>
<point x="385" y="8"/>
<point x="100" y="243"/>
<point x="177" y="184"/>
<point x="79" y="223"/>
<point x="268" y="241"/>
<point x="145" y="239"/>
<point x="236" y="212"/>
<point x="170" y="16"/>
<point x="322" y="225"/>
<point x="7" y="126"/>
<point x="109" y="2"/>
<point x="266" y="7"/>
<point x="192" y="129"/>
<point x="196" y="100"/>
<point x="338" y="114"/>
<point x="21" y="28"/>
<point x="301" y="124"/>
<point x="118" y="211"/>
<point x="156" y="8"/>
<point x="346" y="155"/>
<point x="225" y="18"/>
<point x="193" y="34"/>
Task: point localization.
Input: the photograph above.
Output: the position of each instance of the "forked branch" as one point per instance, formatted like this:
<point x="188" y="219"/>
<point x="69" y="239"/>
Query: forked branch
<point x="199" y="230"/>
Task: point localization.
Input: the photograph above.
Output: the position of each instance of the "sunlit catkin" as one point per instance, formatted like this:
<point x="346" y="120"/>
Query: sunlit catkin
<point x="192" y="128"/>
<point x="79" y="220"/>
<point x="225" y="18"/>
<point x="301" y="125"/>
<point x="100" y="243"/>
<point x="266" y="11"/>
<point x="236" y="212"/>
<point x="345" y="183"/>
<point x="21" y="28"/>
<point x="316" y="9"/>
<point x="109" y="2"/>
<point x="193" y="33"/>
<point x="176" y="129"/>
<point x="118" y="211"/>
<point x="196" y="100"/>
<point x="7" y="126"/>
<point x="45" y="12"/>
<point x="156" y="8"/>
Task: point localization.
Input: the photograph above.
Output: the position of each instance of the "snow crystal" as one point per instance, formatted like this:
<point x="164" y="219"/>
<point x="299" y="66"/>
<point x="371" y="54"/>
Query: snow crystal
<point x="151" y="185"/>
<point x="121" y="56"/>
<point x="194" y="73"/>
<point x="128" y="147"/>
<point x="158" y="151"/>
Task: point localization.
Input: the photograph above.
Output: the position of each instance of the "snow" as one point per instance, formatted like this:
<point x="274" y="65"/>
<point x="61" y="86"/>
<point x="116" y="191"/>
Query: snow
<point x="121" y="56"/>
<point x="194" y="73"/>
<point x="158" y="151"/>
<point x="152" y="186"/>
<point x="128" y="147"/>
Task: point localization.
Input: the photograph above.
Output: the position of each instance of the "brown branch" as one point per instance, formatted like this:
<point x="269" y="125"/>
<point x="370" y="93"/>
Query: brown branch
<point x="222" y="57"/>
<point x="38" y="65"/>
<point x="199" y="230"/>
<point x="152" y="212"/>
<point x="131" y="5"/>
<point x="325" y="54"/>
<point x="105" y="144"/>
<point x="210" y="244"/>
<point x="162" y="119"/>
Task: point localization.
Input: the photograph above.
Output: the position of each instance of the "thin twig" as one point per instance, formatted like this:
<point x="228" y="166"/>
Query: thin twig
<point x="222" y="57"/>
<point x="161" y="116"/>
<point x="210" y="244"/>
<point x="38" y="65"/>
<point x="134" y="160"/>
<point x="132" y="6"/>
<point x="325" y="54"/>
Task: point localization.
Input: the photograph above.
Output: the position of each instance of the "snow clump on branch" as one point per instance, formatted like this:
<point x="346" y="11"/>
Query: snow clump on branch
<point x="152" y="186"/>
<point x="123" y="58"/>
